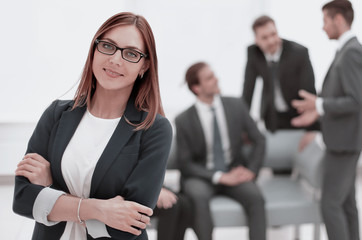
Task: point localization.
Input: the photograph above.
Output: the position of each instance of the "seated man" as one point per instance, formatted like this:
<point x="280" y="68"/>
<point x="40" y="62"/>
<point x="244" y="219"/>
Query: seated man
<point x="209" y="141"/>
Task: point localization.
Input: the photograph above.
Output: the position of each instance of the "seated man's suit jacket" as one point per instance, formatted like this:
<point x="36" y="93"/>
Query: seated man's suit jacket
<point x="191" y="145"/>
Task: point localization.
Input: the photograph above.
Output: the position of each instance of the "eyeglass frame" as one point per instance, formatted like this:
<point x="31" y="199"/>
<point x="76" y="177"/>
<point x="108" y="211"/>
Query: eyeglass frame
<point x="143" y="55"/>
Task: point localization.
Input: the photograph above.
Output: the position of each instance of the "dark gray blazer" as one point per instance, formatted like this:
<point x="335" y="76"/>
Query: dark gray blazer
<point x="191" y="145"/>
<point x="132" y="164"/>
<point x="295" y="73"/>
<point x="342" y="95"/>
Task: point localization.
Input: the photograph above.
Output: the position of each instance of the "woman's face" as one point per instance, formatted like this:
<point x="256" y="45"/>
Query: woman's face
<point x="112" y="71"/>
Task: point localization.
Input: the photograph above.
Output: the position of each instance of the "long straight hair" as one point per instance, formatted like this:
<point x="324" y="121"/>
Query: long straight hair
<point x="146" y="89"/>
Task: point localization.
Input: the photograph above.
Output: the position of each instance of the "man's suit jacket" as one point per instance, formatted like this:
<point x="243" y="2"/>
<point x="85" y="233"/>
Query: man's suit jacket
<point x="295" y="73"/>
<point x="342" y="100"/>
<point x="132" y="164"/>
<point x="191" y="145"/>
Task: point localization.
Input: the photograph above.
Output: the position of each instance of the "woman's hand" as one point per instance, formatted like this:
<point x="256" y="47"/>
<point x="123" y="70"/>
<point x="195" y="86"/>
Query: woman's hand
<point x="35" y="168"/>
<point x="124" y="215"/>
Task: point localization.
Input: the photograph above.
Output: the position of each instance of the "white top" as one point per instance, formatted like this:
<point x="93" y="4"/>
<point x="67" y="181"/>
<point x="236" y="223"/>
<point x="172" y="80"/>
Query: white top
<point x="78" y="164"/>
<point x="206" y="117"/>
<point x="343" y="39"/>
<point x="275" y="57"/>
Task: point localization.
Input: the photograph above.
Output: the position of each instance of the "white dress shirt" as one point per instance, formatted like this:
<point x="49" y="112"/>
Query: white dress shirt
<point x="206" y="117"/>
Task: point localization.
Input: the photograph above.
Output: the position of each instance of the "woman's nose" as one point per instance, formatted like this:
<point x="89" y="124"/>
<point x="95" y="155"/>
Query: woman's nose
<point x="117" y="58"/>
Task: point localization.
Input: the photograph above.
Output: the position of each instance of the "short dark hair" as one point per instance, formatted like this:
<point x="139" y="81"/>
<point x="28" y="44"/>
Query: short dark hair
<point x="343" y="7"/>
<point x="261" y="21"/>
<point x="192" y="77"/>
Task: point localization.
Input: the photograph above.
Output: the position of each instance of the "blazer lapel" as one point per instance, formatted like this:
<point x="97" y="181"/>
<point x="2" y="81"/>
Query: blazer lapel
<point x="197" y="130"/>
<point x="119" y="138"/>
<point x="68" y="123"/>
<point x="330" y="67"/>
<point x="229" y="116"/>
<point x="283" y="64"/>
<point x="268" y="84"/>
<point x="338" y="53"/>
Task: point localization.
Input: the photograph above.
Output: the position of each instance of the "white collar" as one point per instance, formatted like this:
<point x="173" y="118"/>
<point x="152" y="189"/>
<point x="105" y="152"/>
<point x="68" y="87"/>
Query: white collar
<point x="343" y="39"/>
<point x="205" y="106"/>
<point x="275" y="57"/>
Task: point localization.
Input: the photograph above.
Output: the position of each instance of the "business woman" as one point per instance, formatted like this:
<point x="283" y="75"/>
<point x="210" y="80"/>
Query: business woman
<point x="106" y="149"/>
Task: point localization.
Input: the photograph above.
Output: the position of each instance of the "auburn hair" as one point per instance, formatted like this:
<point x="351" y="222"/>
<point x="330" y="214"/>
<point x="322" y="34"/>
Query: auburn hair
<point x="146" y="90"/>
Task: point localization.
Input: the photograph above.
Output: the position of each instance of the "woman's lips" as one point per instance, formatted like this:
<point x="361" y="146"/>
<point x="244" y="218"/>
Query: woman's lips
<point x="112" y="73"/>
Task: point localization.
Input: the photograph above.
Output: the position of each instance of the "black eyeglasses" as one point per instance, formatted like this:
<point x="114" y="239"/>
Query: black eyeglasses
<point x="128" y="54"/>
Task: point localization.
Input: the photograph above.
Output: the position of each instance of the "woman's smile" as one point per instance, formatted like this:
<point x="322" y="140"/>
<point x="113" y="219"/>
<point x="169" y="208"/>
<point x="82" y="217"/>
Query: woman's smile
<point x="112" y="73"/>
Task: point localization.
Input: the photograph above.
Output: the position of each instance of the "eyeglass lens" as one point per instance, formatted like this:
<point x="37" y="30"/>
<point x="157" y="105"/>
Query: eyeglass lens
<point x="127" y="53"/>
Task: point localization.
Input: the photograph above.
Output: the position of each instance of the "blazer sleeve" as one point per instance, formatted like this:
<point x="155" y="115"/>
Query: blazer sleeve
<point x="145" y="182"/>
<point x="185" y="157"/>
<point x="256" y="157"/>
<point x="249" y="78"/>
<point x="307" y="81"/>
<point x="306" y="74"/>
<point x="349" y="74"/>
<point x="25" y="192"/>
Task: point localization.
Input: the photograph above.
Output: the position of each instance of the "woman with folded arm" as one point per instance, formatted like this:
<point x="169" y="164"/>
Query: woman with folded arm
<point x="95" y="165"/>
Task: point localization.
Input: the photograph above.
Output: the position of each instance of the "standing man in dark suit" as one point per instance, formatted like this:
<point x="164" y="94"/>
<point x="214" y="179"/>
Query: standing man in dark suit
<point x="339" y="108"/>
<point x="209" y="141"/>
<point x="285" y="68"/>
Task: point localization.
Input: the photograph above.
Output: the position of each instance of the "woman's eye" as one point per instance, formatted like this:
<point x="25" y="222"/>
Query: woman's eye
<point x="131" y="54"/>
<point x="108" y="46"/>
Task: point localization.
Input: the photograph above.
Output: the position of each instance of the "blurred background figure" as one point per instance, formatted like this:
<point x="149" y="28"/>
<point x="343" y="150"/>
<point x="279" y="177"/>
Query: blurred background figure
<point x="174" y="213"/>
<point x="285" y="68"/>
<point x="339" y="108"/>
<point x="209" y="141"/>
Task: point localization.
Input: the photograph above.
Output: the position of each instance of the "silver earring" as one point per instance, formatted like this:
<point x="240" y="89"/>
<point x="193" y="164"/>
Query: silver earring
<point x="141" y="75"/>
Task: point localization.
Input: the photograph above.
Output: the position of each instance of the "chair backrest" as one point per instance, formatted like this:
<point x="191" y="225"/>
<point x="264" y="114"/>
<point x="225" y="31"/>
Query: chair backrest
<point x="281" y="148"/>
<point x="308" y="164"/>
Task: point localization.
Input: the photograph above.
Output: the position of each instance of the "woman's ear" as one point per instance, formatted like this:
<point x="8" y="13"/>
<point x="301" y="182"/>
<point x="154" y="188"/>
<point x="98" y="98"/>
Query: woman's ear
<point x="144" y="68"/>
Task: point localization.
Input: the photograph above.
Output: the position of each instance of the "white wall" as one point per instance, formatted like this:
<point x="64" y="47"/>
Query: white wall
<point x="44" y="44"/>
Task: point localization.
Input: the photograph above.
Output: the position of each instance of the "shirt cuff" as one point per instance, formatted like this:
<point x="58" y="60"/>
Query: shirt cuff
<point x="44" y="204"/>
<point x="96" y="228"/>
<point x="319" y="141"/>
<point x="216" y="177"/>
<point x="319" y="106"/>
